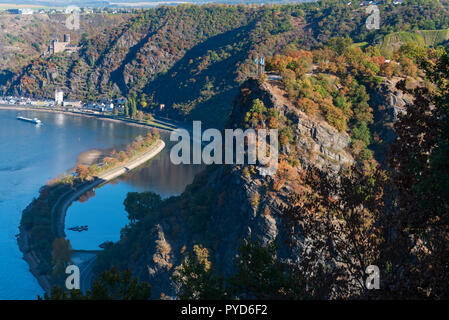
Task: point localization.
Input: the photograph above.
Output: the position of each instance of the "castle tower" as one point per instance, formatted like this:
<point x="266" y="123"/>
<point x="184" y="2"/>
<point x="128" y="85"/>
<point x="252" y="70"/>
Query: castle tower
<point x="66" y="37"/>
<point x="59" y="97"/>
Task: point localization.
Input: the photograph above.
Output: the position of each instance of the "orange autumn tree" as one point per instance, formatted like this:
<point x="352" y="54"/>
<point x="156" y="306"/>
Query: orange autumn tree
<point x="82" y="171"/>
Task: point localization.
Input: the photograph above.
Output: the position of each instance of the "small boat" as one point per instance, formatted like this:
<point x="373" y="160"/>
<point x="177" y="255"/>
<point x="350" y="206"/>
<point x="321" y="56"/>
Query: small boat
<point x="34" y="120"/>
<point x="79" y="228"/>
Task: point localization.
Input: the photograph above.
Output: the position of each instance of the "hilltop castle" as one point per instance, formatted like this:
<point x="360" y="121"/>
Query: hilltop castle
<point x="57" y="46"/>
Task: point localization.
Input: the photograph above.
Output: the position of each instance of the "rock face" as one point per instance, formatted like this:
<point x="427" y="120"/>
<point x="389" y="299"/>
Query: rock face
<point x="244" y="204"/>
<point x="328" y="145"/>
<point x="316" y="141"/>
<point x="395" y="100"/>
<point x="388" y="103"/>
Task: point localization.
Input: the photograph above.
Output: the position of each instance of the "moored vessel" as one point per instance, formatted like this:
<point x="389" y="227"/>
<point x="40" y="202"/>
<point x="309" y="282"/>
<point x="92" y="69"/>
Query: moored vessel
<point x="34" y="120"/>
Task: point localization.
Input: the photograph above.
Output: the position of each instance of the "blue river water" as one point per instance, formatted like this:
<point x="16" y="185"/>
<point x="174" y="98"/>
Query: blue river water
<point x="102" y="210"/>
<point x="30" y="156"/>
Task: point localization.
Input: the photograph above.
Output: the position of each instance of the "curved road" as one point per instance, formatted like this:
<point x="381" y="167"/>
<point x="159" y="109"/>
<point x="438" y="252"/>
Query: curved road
<point x="59" y="209"/>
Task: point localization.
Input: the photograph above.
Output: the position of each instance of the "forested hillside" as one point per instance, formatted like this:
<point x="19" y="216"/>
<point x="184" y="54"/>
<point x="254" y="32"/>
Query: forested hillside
<point x="204" y="52"/>
<point x="26" y="37"/>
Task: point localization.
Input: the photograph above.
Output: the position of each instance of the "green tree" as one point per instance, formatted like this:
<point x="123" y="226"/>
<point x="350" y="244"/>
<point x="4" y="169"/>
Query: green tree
<point x="133" y="108"/>
<point x="256" y="112"/>
<point x="340" y="44"/>
<point x="112" y="285"/>
<point x="138" y="205"/>
<point x="362" y="132"/>
<point x="127" y="107"/>
<point x="196" y="278"/>
<point x="61" y="256"/>
<point x="261" y="275"/>
<point x="143" y="101"/>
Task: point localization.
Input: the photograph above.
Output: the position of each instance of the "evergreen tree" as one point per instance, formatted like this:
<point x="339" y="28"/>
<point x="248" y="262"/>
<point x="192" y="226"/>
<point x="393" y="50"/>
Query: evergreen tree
<point x="127" y="108"/>
<point x="133" y="108"/>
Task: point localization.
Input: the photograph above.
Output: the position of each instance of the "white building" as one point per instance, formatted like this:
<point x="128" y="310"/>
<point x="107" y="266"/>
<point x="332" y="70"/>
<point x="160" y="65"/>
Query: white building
<point x="59" y="97"/>
<point x="25" y="11"/>
<point x="73" y="103"/>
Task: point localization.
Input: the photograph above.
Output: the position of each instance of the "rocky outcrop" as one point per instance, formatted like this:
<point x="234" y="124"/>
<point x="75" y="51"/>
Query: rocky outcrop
<point x="227" y="204"/>
<point x="328" y="146"/>
<point x="388" y="103"/>
<point x="317" y="142"/>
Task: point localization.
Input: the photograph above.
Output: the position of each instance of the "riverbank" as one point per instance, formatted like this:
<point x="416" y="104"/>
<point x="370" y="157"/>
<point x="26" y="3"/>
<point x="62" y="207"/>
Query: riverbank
<point x="158" y="124"/>
<point x="59" y="208"/>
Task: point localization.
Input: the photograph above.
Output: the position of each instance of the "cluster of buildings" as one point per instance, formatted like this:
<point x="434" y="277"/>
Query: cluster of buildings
<point x="103" y="105"/>
<point x="29" y="11"/>
<point x="26" y="101"/>
<point x="369" y="3"/>
<point x="24" y="11"/>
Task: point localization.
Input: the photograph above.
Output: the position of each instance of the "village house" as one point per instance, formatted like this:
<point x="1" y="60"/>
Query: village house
<point x="20" y="11"/>
<point x="73" y="103"/>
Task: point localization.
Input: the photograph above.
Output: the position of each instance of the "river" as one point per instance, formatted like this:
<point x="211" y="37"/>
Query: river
<point x="31" y="156"/>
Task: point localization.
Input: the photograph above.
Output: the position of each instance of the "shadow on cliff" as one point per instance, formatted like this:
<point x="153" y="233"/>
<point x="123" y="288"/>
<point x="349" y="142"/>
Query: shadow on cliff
<point x="215" y="84"/>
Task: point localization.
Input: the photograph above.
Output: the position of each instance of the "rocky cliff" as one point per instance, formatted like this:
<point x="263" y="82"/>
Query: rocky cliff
<point x="229" y="203"/>
<point x="388" y="103"/>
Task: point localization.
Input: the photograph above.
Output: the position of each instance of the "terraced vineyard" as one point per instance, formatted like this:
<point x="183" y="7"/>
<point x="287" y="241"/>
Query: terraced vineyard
<point x="429" y="38"/>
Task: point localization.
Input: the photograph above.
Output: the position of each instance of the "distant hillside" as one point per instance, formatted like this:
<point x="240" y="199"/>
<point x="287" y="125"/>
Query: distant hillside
<point x="198" y="52"/>
<point x="25" y="37"/>
<point x="193" y="58"/>
<point x="137" y="3"/>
